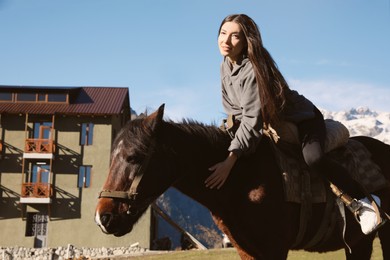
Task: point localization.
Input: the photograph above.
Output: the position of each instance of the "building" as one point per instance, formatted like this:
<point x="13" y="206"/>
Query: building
<point x="55" y="145"/>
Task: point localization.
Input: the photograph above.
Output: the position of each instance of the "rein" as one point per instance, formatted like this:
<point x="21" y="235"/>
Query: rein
<point x="131" y="195"/>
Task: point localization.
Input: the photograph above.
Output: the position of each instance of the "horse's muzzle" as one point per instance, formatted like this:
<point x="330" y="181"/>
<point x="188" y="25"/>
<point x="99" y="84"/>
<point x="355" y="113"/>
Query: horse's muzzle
<point x="111" y="223"/>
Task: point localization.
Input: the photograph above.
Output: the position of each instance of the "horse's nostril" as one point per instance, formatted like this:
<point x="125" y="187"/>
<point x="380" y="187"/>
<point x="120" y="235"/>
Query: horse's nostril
<point x="105" y="218"/>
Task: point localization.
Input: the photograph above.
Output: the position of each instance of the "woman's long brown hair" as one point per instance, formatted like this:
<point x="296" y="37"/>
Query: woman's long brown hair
<point x="270" y="81"/>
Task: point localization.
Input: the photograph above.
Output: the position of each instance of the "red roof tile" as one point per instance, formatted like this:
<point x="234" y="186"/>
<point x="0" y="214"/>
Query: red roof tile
<point x="83" y="101"/>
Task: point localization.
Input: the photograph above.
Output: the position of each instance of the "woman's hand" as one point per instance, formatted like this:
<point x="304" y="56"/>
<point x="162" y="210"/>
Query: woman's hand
<point x="221" y="172"/>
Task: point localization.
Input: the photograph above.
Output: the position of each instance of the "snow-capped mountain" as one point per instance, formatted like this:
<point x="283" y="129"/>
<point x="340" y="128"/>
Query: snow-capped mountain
<point x="363" y="121"/>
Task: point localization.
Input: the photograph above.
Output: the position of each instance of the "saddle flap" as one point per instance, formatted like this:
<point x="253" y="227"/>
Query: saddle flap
<point x="354" y="156"/>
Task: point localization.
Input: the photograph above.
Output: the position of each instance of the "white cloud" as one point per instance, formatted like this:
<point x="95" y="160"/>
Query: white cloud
<point x="343" y="95"/>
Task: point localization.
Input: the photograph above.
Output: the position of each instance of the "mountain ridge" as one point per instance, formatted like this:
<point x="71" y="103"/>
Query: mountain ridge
<point x="363" y="121"/>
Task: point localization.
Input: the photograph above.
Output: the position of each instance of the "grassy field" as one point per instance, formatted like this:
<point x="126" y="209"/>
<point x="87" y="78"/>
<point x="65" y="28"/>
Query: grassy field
<point x="230" y="254"/>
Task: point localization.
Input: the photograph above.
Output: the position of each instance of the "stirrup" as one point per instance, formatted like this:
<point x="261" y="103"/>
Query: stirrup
<point x="381" y="216"/>
<point x="355" y="206"/>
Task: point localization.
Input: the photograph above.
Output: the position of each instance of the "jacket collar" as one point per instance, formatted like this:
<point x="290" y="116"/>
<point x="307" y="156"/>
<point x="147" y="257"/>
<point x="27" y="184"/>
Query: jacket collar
<point x="237" y="66"/>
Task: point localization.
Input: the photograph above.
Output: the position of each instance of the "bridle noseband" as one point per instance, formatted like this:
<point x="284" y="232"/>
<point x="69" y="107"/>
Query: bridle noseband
<point x="131" y="195"/>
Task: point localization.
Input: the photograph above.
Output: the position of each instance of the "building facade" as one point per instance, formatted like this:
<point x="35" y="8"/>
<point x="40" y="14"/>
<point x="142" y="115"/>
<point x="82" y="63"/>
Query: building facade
<point x="55" y="145"/>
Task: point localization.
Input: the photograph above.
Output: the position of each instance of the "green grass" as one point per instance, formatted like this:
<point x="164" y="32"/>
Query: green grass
<point x="231" y="254"/>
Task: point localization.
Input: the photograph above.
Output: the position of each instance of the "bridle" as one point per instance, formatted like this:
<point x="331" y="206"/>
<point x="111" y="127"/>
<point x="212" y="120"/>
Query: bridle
<point x="131" y="195"/>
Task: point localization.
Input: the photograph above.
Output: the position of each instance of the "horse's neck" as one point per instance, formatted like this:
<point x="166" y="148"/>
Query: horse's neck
<point x="193" y="152"/>
<point x="247" y="177"/>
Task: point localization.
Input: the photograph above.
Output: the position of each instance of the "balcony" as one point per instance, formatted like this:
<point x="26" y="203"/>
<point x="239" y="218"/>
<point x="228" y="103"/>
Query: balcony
<point x="39" y="149"/>
<point x="36" y="192"/>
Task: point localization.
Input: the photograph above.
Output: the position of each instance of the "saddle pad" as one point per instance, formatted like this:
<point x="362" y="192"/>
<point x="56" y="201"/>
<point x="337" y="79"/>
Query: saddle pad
<point x="357" y="159"/>
<point x="354" y="156"/>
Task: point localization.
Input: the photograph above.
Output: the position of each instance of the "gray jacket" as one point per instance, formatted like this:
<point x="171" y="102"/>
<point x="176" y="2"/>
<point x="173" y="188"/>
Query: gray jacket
<point x="240" y="97"/>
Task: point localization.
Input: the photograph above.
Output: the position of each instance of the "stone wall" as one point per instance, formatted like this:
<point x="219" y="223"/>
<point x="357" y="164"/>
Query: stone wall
<point x="67" y="252"/>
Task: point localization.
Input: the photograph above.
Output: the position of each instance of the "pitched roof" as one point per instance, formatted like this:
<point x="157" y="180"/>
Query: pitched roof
<point x="82" y="101"/>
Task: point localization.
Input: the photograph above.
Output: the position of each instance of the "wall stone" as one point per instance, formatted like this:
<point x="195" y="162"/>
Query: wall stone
<point x="67" y="252"/>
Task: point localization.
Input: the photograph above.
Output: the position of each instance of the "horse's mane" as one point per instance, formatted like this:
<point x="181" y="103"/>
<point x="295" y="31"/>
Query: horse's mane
<point x="210" y="133"/>
<point x="136" y="131"/>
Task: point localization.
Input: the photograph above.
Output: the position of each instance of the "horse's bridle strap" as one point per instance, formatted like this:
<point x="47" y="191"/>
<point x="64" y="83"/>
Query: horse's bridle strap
<point x="132" y="193"/>
<point x="116" y="194"/>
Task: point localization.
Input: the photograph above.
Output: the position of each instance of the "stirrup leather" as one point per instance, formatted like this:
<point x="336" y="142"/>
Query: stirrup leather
<point x="352" y="204"/>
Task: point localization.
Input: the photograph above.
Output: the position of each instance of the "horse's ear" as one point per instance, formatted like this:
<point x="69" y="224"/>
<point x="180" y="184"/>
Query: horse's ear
<point x="156" y="117"/>
<point x="160" y="113"/>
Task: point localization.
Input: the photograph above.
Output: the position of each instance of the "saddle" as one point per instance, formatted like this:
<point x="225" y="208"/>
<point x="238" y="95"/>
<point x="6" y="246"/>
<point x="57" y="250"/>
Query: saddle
<point x="305" y="187"/>
<point x="353" y="155"/>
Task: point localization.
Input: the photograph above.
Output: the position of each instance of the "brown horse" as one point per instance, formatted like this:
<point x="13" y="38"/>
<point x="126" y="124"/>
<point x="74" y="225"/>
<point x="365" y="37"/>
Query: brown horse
<point x="150" y="155"/>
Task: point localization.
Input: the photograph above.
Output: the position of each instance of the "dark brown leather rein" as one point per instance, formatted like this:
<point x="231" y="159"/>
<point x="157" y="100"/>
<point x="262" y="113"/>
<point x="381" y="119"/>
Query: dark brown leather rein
<point x="131" y="196"/>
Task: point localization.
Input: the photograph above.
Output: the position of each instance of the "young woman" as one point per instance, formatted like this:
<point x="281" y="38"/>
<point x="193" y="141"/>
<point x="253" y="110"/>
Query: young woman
<point x="255" y="92"/>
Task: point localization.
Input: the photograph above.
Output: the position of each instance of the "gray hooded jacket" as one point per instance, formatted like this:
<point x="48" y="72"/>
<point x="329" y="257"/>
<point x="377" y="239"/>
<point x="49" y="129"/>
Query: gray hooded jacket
<point x="240" y="97"/>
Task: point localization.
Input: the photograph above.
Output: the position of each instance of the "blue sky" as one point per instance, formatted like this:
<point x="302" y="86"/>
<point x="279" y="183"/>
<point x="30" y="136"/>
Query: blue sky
<point x="334" y="52"/>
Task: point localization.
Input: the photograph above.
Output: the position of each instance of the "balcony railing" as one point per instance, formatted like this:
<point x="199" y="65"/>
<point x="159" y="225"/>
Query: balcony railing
<point x="39" y="146"/>
<point x="36" y="190"/>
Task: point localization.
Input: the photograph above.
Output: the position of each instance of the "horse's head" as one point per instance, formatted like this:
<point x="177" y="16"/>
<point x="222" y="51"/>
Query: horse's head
<point x="135" y="171"/>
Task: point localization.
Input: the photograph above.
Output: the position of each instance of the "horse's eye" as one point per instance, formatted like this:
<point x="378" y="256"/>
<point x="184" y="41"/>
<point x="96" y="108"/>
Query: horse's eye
<point x="131" y="159"/>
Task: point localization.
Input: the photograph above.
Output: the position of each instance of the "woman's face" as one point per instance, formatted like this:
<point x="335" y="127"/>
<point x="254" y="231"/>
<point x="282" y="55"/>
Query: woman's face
<point x="231" y="41"/>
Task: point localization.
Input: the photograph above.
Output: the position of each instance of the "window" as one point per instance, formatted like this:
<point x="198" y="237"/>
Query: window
<point x="56" y="97"/>
<point x="86" y="136"/>
<point x="6" y="96"/>
<point x="36" y="224"/>
<point x="26" y="97"/>
<point x="37" y="97"/>
<point x="40" y="173"/>
<point x="84" y="179"/>
<point x="42" y="130"/>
